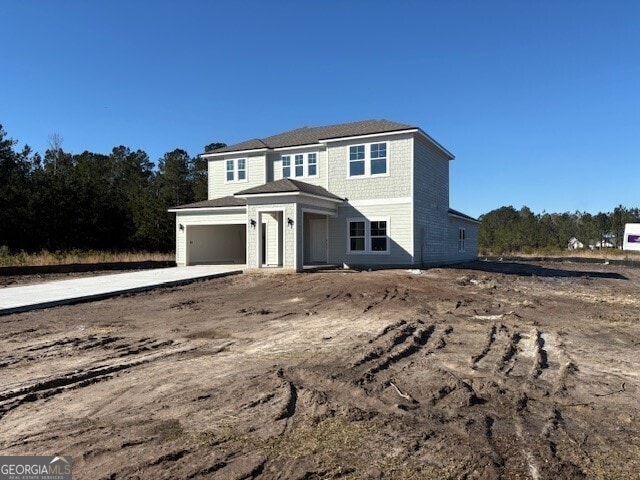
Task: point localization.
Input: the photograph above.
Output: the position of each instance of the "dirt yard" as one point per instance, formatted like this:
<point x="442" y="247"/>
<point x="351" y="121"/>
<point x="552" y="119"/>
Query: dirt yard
<point x="485" y="372"/>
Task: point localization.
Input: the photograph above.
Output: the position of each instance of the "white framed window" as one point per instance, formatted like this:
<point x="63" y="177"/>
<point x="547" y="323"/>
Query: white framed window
<point x="304" y="165"/>
<point x="357" y="236"/>
<point x="312" y="164"/>
<point x="236" y="170"/>
<point x="368" y="236"/>
<point x="461" y="239"/>
<point x="299" y="166"/>
<point x="368" y="160"/>
<point x="286" y="166"/>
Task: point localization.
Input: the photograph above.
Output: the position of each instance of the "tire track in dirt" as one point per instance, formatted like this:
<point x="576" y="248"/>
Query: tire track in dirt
<point x="60" y="382"/>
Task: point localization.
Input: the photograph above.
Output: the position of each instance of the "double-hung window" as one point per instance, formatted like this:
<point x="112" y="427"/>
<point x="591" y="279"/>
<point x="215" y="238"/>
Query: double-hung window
<point x="304" y="165"/>
<point x="461" y="239"/>
<point x="357" y="236"/>
<point x="286" y="166"/>
<point x="312" y="164"/>
<point x="299" y="170"/>
<point x="368" y="235"/>
<point x="368" y="160"/>
<point x="236" y="170"/>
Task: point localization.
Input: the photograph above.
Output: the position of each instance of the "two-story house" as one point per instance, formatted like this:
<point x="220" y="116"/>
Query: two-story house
<point x="371" y="193"/>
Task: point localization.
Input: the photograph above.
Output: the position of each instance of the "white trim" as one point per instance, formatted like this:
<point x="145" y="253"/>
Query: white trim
<point x="284" y="194"/>
<point x="305" y="165"/>
<point x="336" y="139"/>
<point x="237" y="152"/>
<point x="436" y="144"/>
<point x="471" y="220"/>
<point x="367" y="235"/>
<point x="367" y="161"/>
<point x="412" y="155"/>
<point x="204" y="209"/>
<point x="377" y="202"/>
<point x="236" y="170"/>
<point x="259" y="212"/>
<point x="294" y="147"/>
<point x="370" y="135"/>
<point x="297" y="225"/>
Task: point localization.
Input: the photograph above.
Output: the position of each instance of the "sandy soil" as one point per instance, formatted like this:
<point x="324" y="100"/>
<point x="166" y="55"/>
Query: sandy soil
<point x="484" y="372"/>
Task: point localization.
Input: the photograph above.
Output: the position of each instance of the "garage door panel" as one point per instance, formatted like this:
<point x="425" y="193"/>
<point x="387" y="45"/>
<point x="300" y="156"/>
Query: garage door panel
<point x="207" y="244"/>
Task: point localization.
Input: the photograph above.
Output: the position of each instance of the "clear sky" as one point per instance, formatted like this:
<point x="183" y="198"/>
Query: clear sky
<point x="538" y="100"/>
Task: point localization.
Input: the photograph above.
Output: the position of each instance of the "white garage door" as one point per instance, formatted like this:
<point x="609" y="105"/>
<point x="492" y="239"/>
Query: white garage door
<point x="211" y="244"/>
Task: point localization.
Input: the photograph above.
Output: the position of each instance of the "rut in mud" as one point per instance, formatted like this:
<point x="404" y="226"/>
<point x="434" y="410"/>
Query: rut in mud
<point x="454" y="373"/>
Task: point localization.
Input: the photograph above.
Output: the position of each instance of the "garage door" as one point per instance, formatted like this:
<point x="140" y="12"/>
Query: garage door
<point x="210" y="244"/>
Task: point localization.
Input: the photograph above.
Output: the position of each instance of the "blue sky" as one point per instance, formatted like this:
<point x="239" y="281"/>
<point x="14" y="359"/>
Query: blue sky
<point x="539" y="101"/>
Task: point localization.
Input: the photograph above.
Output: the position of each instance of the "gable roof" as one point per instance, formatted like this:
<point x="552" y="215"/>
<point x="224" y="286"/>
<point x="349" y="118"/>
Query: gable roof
<point x="289" y="185"/>
<point x="462" y="215"/>
<point x="222" y="202"/>
<point x="313" y="135"/>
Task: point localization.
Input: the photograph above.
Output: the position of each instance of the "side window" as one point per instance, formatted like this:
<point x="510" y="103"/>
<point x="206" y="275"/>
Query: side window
<point x="286" y="166"/>
<point x="461" y="239"/>
<point x="312" y="160"/>
<point x="378" y="158"/>
<point x="356" y="160"/>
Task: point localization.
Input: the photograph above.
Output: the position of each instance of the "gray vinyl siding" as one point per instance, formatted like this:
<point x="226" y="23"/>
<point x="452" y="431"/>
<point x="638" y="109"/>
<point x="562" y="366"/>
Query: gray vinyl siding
<point x="399" y="233"/>
<point x="256" y="175"/>
<point x="396" y="184"/>
<point x="431" y="203"/>
<point x="275" y="165"/>
<point x="471" y="241"/>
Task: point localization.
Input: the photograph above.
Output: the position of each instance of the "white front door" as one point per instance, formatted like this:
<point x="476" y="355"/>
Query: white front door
<point x="318" y="240"/>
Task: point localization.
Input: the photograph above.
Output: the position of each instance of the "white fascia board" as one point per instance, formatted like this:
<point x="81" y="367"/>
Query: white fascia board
<point x="374" y="202"/>
<point x="466" y="219"/>
<point x="299" y="147"/>
<point x="436" y="144"/>
<point x="287" y="194"/>
<point x="369" y="135"/>
<point x="205" y="209"/>
<point x="232" y="154"/>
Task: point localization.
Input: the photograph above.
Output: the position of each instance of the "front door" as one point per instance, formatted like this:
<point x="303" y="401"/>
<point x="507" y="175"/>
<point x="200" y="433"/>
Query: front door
<point x="318" y="240"/>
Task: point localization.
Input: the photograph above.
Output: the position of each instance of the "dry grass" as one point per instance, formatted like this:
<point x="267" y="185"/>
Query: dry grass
<point x="45" y="257"/>
<point x="604" y="254"/>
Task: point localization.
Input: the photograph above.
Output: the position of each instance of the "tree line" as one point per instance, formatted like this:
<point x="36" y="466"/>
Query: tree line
<point x="507" y="230"/>
<point x="116" y="201"/>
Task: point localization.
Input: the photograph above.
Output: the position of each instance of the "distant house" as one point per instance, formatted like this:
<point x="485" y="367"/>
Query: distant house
<point x="370" y="193"/>
<point x="602" y="244"/>
<point x="575" y="244"/>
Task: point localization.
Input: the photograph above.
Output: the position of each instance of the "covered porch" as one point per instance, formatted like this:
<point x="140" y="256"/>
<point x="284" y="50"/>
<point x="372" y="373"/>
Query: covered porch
<point x="288" y="224"/>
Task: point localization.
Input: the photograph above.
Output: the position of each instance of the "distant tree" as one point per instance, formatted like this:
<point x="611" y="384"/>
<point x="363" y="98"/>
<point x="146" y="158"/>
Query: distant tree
<point x="200" y="172"/>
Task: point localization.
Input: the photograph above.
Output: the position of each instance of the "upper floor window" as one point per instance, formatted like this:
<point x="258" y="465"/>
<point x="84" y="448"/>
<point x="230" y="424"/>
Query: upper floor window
<point x="236" y="170"/>
<point x="461" y="239"/>
<point x="304" y="165"/>
<point x="368" y="160"/>
<point x="286" y="166"/>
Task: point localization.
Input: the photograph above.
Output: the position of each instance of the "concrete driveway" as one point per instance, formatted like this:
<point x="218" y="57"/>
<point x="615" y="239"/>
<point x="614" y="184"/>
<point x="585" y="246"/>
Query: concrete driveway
<point x="51" y="294"/>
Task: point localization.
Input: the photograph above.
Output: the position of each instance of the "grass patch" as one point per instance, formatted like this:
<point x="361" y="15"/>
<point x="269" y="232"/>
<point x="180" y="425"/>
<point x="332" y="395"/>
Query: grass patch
<point x="44" y="257"/>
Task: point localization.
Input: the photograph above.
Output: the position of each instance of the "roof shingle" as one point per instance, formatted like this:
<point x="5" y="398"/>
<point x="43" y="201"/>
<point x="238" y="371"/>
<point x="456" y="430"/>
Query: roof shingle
<point x="221" y="202"/>
<point x="289" y="185"/>
<point x="313" y="135"/>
